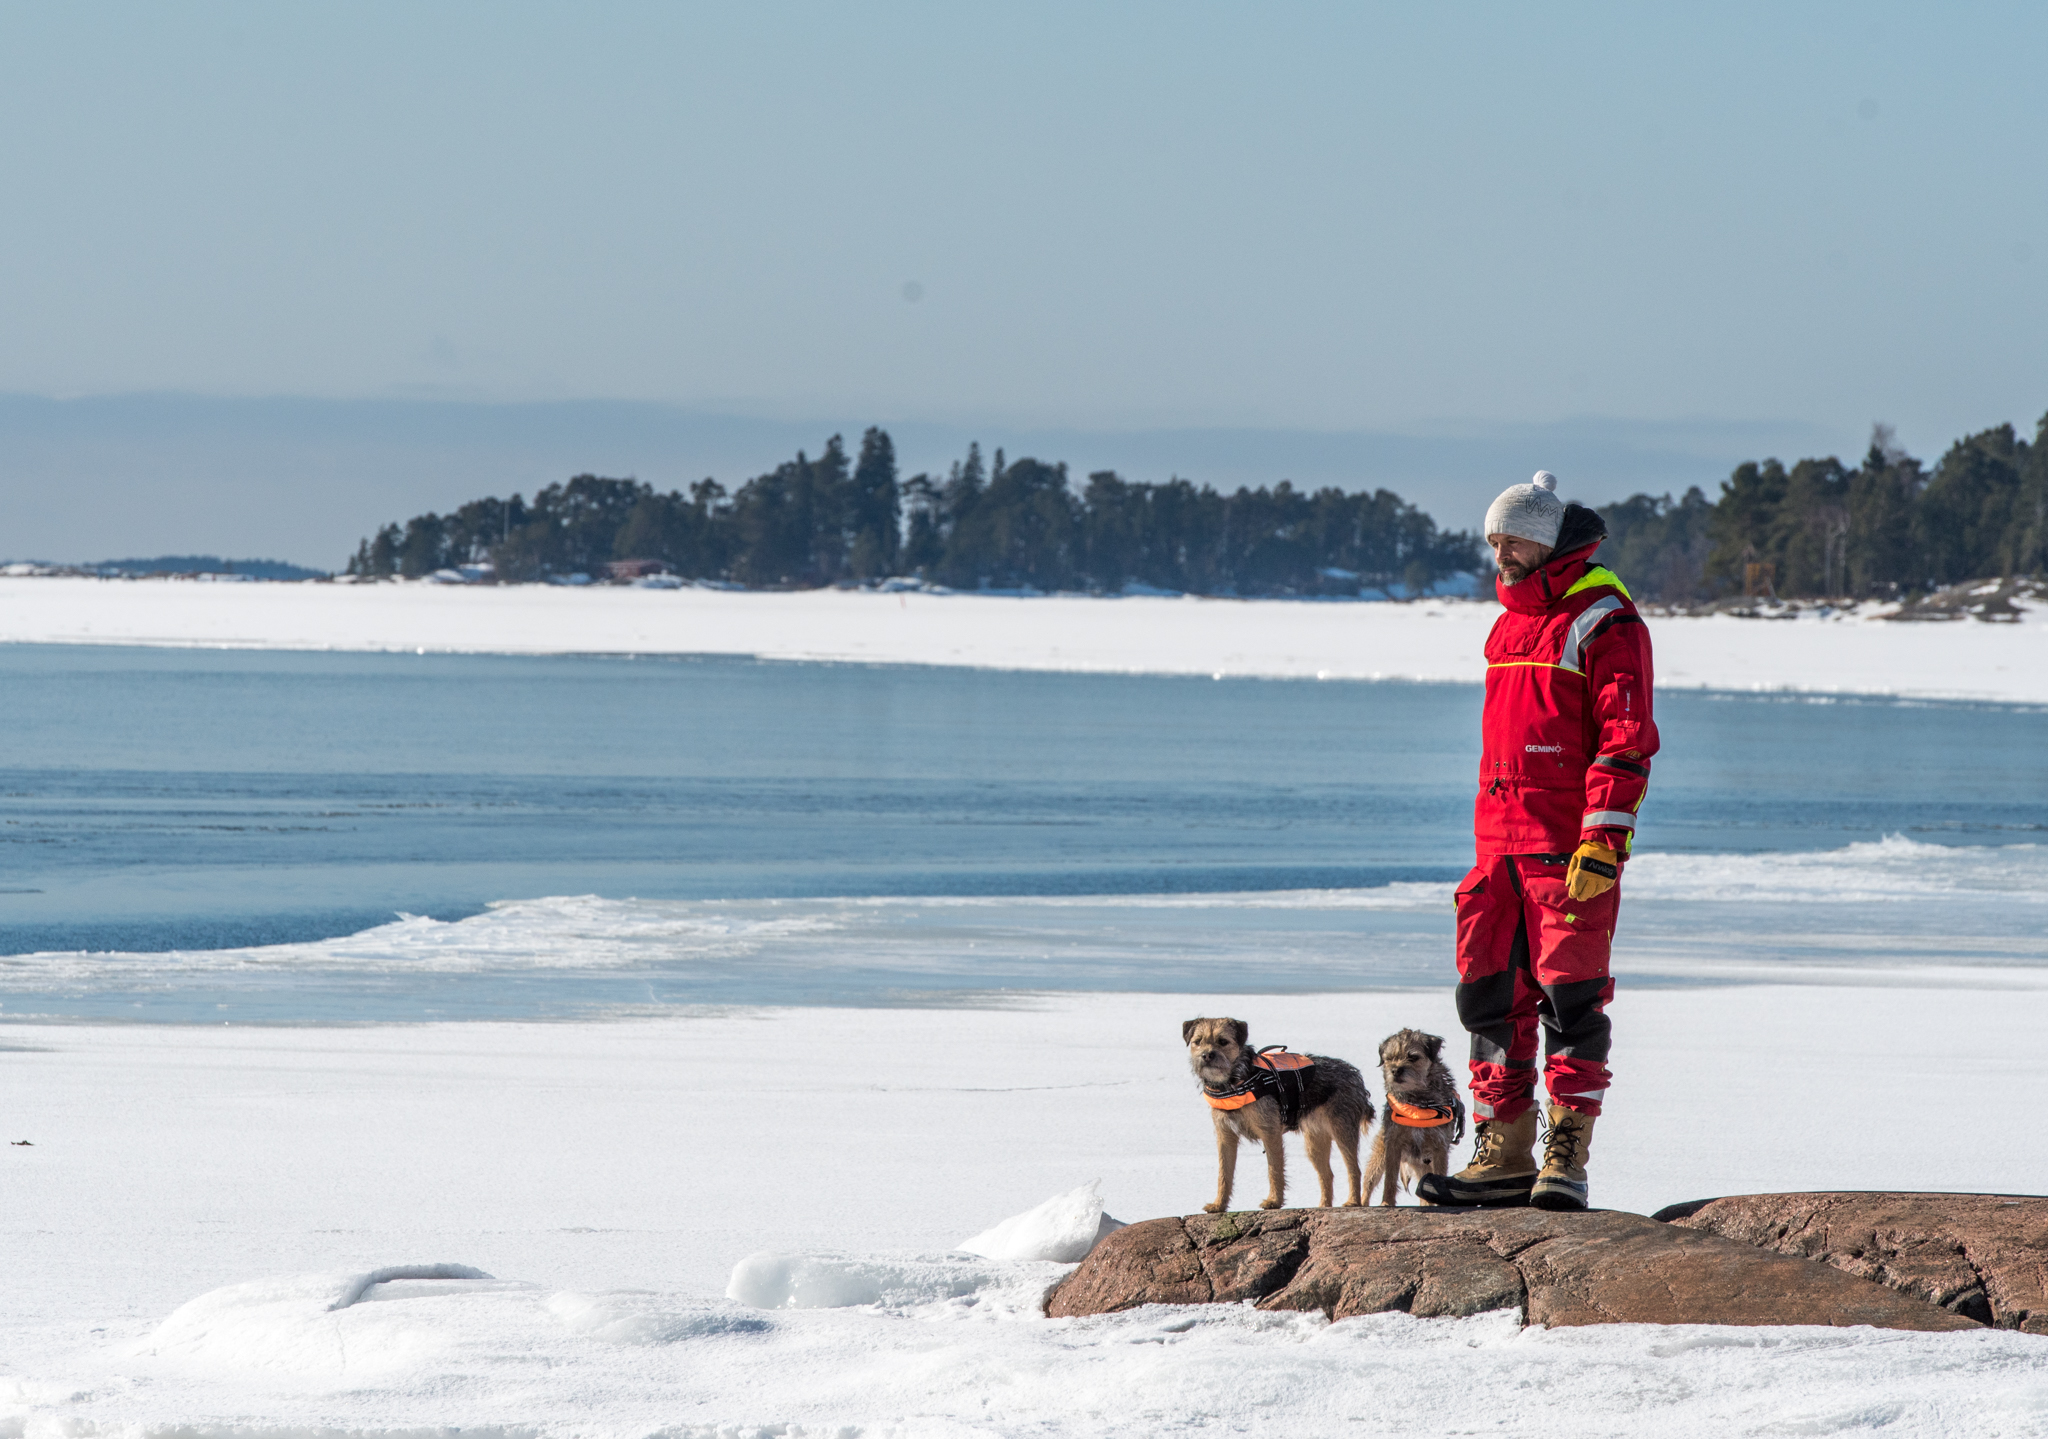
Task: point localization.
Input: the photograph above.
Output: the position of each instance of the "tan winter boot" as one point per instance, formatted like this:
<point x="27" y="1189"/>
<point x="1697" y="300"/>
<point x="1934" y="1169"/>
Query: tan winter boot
<point x="1502" y="1170"/>
<point x="1562" y="1184"/>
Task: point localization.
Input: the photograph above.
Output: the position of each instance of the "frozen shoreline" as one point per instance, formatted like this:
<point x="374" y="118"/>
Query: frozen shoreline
<point x="605" y="1176"/>
<point x="1892" y="913"/>
<point x="1436" y="641"/>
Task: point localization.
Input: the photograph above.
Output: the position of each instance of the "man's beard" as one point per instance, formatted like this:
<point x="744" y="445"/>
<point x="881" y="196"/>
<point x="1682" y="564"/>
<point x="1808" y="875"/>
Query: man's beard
<point x="1514" y="572"/>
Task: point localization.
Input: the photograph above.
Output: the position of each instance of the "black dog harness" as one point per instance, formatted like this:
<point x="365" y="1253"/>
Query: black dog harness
<point x="1275" y="1074"/>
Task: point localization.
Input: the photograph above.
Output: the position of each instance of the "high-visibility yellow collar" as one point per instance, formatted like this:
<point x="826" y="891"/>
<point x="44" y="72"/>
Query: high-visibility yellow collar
<point x="1599" y="575"/>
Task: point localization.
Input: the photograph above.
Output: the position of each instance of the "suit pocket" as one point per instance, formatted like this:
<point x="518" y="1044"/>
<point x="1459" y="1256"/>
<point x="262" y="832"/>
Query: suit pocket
<point x="1621" y="713"/>
<point x="1479" y="950"/>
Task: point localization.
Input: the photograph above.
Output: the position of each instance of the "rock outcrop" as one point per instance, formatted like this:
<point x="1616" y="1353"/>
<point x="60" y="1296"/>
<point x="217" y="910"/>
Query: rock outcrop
<point x="1604" y="1267"/>
<point x="1983" y="1256"/>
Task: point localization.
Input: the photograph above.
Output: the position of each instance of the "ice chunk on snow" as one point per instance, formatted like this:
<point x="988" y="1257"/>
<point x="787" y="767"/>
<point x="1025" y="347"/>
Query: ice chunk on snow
<point x="1062" y="1230"/>
<point x="768" y="1280"/>
<point x="772" y="1279"/>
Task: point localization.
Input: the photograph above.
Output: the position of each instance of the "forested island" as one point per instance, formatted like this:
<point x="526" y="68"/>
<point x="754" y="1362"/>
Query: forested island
<point x="1002" y="525"/>
<point x="1886" y="527"/>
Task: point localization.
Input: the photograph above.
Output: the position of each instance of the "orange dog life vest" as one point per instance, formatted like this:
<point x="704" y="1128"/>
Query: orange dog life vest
<point x="1275" y="1073"/>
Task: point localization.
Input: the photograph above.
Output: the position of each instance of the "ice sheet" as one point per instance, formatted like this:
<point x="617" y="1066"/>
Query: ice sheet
<point x="1894" y="911"/>
<point x="1428" y="640"/>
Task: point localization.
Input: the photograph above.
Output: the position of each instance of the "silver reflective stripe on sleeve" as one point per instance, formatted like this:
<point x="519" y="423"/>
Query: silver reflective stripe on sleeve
<point x="1608" y="819"/>
<point x="1584" y="625"/>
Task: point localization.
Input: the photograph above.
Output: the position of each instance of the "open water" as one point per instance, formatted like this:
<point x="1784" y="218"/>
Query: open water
<point x="238" y="836"/>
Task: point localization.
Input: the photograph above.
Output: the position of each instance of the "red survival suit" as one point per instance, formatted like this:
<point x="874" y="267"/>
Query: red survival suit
<point x="1568" y="739"/>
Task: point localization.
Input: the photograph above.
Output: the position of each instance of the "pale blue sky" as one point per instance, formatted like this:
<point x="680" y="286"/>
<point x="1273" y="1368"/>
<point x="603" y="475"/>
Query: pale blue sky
<point x="1406" y="220"/>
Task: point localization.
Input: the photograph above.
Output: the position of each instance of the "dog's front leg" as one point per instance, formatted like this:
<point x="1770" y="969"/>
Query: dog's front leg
<point x="1397" y="1155"/>
<point x="1226" y="1165"/>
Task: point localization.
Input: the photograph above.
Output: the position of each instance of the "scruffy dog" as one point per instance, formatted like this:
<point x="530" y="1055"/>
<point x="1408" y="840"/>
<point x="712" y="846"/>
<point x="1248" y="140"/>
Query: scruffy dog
<point x="1424" y="1117"/>
<point x="1262" y="1096"/>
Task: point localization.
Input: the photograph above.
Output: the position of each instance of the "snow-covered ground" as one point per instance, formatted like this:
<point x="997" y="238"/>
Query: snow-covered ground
<point x="612" y="1176"/>
<point x="1429" y="640"/>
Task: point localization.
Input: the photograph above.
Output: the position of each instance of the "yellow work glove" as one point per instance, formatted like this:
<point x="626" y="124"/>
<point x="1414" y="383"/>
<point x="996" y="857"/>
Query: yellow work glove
<point x="1592" y="872"/>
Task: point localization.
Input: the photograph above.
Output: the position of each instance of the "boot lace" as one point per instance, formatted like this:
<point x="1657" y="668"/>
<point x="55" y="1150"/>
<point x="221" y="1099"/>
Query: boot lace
<point x="1561" y="1144"/>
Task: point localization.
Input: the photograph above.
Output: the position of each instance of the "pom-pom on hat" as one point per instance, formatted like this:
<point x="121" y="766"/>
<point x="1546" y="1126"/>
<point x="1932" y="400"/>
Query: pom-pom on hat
<point x="1529" y="512"/>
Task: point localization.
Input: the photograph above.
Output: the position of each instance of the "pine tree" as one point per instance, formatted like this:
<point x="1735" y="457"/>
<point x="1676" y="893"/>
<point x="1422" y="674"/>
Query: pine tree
<point x="875" y="518"/>
<point x="1970" y="505"/>
<point x="1882" y="495"/>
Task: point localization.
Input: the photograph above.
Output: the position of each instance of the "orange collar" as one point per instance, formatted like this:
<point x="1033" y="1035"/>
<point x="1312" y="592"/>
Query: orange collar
<point x="1417" y="1116"/>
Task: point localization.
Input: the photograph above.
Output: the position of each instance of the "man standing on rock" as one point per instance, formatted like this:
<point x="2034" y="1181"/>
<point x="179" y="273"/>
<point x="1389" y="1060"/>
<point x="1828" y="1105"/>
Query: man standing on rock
<point x="1567" y="738"/>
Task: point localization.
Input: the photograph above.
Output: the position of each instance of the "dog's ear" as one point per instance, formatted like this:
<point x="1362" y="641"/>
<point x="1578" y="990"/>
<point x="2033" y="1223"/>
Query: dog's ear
<point x="1242" y="1030"/>
<point x="1187" y="1030"/>
<point x="1433" y="1046"/>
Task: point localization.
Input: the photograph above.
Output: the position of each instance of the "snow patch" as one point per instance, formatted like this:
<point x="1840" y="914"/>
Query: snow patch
<point x="638" y="1317"/>
<point x="321" y="1325"/>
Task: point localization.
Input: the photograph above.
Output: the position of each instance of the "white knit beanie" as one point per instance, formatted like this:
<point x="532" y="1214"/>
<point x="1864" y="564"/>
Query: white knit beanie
<point x="1529" y="512"/>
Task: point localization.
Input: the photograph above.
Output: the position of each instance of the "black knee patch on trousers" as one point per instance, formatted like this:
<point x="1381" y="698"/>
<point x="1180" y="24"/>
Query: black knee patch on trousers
<point x="1485" y="1004"/>
<point x="1574" y="1025"/>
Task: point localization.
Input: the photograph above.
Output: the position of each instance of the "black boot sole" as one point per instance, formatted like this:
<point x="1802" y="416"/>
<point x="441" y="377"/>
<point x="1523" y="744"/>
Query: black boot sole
<point x="1508" y="1194"/>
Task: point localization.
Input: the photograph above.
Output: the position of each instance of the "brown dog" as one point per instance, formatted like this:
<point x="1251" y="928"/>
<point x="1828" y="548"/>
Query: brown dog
<point x="1424" y="1118"/>
<point x="1261" y="1097"/>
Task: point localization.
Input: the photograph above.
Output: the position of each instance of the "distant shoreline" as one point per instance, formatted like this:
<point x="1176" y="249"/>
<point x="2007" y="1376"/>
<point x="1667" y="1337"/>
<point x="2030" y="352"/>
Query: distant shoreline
<point x="1815" y="653"/>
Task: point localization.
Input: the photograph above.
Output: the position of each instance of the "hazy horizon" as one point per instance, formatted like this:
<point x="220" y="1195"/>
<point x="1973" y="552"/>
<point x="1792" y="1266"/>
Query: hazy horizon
<point x="1430" y="249"/>
<point x="303" y="480"/>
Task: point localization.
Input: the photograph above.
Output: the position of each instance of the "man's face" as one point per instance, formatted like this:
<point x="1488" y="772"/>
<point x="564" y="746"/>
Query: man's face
<point x="1517" y="557"/>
